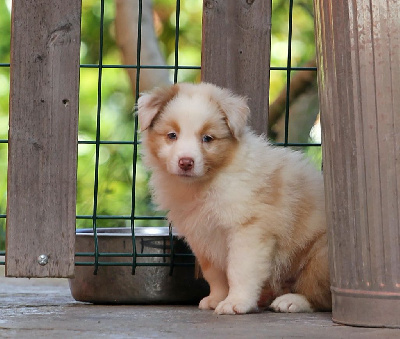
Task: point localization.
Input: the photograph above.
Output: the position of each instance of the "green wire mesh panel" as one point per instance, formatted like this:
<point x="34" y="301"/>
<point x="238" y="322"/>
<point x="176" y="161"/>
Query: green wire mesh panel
<point x="5" y="27"/>
<point x="137" y="199"/>
<point x="112" y="188"/>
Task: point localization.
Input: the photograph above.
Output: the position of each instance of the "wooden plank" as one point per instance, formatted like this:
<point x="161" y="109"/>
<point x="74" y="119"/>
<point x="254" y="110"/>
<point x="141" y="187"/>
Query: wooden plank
<point x="236" y="52"/>
<point x="41" y="207"/>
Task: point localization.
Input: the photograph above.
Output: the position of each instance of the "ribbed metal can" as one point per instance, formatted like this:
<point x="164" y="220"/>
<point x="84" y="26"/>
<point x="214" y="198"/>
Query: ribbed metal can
<point x="358" y="56"/>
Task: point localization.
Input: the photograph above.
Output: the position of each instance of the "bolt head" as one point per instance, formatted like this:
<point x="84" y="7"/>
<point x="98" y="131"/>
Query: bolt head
<point x="43" y="259"/>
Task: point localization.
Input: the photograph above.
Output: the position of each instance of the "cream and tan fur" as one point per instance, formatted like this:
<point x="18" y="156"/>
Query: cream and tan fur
<point x="253" y="214"/>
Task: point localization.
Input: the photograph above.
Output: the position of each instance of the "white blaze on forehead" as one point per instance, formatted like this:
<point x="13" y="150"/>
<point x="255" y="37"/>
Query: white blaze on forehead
<point x="191" y="113"/>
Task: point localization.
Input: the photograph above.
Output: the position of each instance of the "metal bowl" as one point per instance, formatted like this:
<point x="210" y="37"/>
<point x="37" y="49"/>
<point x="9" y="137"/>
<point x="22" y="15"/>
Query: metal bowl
<point x="156" y="279"/>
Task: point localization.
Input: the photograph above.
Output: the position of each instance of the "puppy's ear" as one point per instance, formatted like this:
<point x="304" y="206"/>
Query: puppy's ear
<point x="150" y="105"/>
<point x="235" y="109"/>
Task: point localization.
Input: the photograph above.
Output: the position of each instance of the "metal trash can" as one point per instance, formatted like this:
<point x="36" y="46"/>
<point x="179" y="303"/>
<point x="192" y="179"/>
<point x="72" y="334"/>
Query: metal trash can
<point x="358" y="54"/>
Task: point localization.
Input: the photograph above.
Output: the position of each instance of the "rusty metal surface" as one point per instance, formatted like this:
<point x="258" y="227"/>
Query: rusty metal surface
<point x="358" y="54"/>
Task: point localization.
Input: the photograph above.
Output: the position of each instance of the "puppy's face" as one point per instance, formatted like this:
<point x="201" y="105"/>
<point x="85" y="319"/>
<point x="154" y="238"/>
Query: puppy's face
<point x="188" y="133"/>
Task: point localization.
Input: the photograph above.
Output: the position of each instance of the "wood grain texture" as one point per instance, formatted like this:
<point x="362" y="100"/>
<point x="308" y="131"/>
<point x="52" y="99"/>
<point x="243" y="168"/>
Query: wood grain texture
<point x="236" y="51"/>
<point x="358" y="45"/>
<point x="41" y="201"/>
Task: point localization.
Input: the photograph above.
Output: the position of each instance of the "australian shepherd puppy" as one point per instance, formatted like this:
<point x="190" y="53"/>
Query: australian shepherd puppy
<point x="253" y="214"/>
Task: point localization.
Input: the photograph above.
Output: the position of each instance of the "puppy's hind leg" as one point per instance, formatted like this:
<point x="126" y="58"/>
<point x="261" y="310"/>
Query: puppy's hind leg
<point x="291" y="303"/>
<point x="312" y="288"/>
<point x="314" y="280"/>
<point x="248" y="270"/>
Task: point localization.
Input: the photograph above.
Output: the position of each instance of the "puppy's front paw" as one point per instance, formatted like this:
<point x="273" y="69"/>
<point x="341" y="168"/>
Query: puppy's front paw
<point x="235" y="306"/>
<point x="291" y="303"/>
<point x="209" y="303"/>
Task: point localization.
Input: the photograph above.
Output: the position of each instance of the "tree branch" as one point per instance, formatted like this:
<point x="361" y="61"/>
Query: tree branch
<point x="303" y="83"/>
<point x="126" y="28"/>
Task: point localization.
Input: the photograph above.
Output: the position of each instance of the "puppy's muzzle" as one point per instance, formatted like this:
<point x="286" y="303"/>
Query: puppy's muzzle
<point x="186" y="164"/>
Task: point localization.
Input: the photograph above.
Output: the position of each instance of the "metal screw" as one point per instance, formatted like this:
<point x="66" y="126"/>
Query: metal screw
<point x="43" y="259"/>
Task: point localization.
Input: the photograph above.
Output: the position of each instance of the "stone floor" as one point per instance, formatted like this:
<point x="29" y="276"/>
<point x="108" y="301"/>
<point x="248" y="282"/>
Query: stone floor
<point x="44" y="308"/>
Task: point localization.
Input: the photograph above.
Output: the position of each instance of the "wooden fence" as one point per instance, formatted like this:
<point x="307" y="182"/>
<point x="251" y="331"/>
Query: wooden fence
<point x="44" y="116"/>
<point x="44" y="91"/>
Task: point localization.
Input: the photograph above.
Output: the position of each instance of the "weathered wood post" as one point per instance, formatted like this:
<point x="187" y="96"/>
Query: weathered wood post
<point x="358" y="47"/>
<point x="45" y="44"/>
<point x="236" y="52"/>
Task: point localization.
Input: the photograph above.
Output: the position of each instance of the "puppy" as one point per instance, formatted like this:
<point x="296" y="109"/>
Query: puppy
<point x="253" y="214"/>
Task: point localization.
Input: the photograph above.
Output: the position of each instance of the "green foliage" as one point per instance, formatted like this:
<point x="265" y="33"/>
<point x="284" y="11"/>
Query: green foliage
<point x="4" y="104"/>
<point x="117" y="102"/>
<point x="303" y="44"/>
<point x="117" y="120"/>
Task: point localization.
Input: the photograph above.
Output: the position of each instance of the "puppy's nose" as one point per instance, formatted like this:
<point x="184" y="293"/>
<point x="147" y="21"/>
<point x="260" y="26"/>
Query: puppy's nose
<point x="186" y="164"/>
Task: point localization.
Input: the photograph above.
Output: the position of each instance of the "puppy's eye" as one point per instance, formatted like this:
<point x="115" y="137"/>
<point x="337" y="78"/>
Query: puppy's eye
<point x="172" y="136"/>
<point x="207" y="138"/>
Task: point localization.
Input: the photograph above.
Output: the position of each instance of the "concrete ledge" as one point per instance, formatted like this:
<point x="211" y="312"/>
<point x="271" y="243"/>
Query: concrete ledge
<point x="37" y="308"/>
